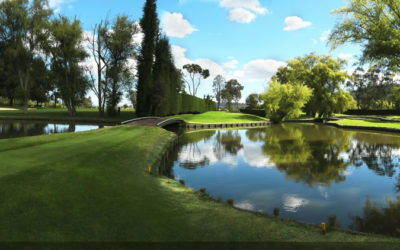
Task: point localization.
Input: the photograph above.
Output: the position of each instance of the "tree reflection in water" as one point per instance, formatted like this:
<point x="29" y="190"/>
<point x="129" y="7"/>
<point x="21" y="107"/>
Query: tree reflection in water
<point x="13" y="129"/>
<point x="315" y="155"/>
<point x="306" y="153"/>
<point x="379" y="219"/>
<point x="312" y="154"/>
<point x="190" y="155"/>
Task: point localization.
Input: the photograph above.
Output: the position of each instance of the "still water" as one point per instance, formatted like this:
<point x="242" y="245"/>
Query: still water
<point x="12" y="129"/>
<point x="308" y="171"/>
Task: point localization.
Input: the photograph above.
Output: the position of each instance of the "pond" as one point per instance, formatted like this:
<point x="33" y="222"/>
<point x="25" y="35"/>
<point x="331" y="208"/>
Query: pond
<point x="12" y="129"/>
<point x="309" y="172"/>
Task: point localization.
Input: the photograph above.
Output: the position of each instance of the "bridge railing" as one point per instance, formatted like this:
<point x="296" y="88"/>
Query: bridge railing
<point x="140" y="119"/>
<point x="169" y="121"/>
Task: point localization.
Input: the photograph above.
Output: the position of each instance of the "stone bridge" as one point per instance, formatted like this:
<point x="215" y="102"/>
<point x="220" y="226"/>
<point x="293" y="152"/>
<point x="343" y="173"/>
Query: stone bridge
<point x="153" y="122"/>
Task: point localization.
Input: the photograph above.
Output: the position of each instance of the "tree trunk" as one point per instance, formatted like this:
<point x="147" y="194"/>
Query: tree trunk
<point x="11" y="101"/>
<point x="25" y="106"/>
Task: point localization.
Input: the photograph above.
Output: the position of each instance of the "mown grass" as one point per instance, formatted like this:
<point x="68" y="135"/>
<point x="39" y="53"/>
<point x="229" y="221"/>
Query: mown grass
<point x="83" y="114"/>
<point x="213" y="117"/>
<point x="93" y="186"/>
<point x="368" y="123"/>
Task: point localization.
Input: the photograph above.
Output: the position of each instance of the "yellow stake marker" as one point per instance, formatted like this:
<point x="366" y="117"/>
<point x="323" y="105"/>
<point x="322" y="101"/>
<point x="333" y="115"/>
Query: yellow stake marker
<point x="149" y="169"/>
<point x="323" y="227"/>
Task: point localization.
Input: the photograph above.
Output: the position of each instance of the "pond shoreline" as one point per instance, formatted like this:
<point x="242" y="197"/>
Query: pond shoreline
<point x="203" y="195"/>
<point x="61" y="120"/>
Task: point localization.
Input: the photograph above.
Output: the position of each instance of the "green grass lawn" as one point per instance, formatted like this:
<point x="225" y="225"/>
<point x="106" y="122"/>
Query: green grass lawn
<point x="93" y="186"/>
<point x="221" y="117"/>
<point x="62" y="114"/>
<point x="368" y="123"/>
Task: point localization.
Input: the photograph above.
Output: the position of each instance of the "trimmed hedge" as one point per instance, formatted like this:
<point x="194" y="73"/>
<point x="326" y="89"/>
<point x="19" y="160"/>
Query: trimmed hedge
<point x="258" y="112"/>
<point x="372" y="112"/>
<point x="187" y="104"/>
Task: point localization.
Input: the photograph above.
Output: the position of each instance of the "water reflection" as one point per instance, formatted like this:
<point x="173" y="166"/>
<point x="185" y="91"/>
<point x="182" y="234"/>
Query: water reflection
<point x="377" y="218"/>
<point x="308" y="171"/>
<point x="12" y="129"/>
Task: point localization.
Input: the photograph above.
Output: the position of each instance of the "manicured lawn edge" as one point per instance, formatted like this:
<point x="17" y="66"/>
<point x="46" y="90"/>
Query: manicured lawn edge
<point x="124" y="201"/>
<point x="362" y="127"/>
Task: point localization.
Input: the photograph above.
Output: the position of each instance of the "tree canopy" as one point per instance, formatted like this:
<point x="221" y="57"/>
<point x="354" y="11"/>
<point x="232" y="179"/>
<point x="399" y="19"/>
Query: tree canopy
<point x="196" y="74"/>
<point x="285" y="100"/>
<point x="325" y="76"/>
<point x="375" y="24"/>
<point x="67" y="53"/>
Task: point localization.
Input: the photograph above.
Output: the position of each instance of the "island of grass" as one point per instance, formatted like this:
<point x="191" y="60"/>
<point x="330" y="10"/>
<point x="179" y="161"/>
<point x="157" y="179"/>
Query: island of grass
<point x="87" y="115"/>
<point x="94" y="186"/>
<point x="367" y="123"/>
<point x="215" y="117"/>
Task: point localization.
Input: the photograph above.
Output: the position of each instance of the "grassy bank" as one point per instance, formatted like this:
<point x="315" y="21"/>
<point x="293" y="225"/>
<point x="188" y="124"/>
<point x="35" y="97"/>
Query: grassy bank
<point x="221" y="117"/>
<point x="87" y="115"/>
<point x="93" y="186"/>
<point x="367" y="123"/>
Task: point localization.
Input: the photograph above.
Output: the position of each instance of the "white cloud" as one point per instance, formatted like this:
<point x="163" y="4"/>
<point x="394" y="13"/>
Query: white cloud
<point x="345" y="56"/>
<point x="295" y="23"/>
<point x="314" y="41"/>
<point x="243" y="11"/>
<point x="56" y="4"/>
<point x="175" y="25"/>
<point x="241" y="15"/>
<point x="325" y="35"/>
<point x="253" y="5"/>
<point x="261" y="69"/>
<point x="230" y="65"/>
<point x="179" y="54"/>
<point x="253" y="72"/>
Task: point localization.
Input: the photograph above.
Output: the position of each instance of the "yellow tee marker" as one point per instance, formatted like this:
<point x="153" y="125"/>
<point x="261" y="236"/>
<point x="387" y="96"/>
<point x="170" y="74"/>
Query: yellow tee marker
<point x="149" y="169"/>
<point x="323" y="227"/>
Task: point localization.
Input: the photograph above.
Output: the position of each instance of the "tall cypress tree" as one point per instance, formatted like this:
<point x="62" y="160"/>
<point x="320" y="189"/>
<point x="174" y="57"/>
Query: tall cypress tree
<point x="163" y="72"/>
<point x="149" y="24"/>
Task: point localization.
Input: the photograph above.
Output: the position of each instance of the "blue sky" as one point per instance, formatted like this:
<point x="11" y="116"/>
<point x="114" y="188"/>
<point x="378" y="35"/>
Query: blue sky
<point x="243" y="39"/>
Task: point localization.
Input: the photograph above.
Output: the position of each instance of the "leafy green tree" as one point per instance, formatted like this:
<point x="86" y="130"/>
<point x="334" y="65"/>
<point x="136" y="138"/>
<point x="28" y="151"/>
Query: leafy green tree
<point x="285" y="100"/>
<point x="196" y="74"/>
<point x="86" y="102"/>
<point x="41" y="83"/>
<point x="232" y="92"/>
<point x="25" y="28"/>
<point x="149" y="25"/>
<point x="67" y="53"/>
<point x="372" y="88"/>
<point x="8" y="75"/>
<point x="218" y="86"/>
<point x="323" y="74"/>
<point x="375" y="24"/>
<point x="132" y="96"/>
<point x="120" y="48"/>
<point x="253" y="101"/>
<point x="396" y="97"/>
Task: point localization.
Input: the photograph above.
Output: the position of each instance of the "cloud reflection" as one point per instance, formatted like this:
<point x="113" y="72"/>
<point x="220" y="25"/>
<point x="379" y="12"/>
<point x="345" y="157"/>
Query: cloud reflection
<point x="252" y="154"/>
<point x="292" y="203"/>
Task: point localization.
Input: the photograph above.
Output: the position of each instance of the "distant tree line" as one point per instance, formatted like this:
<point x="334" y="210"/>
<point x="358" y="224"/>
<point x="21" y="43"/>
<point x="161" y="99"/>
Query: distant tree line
<point x="45" y="57"/>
